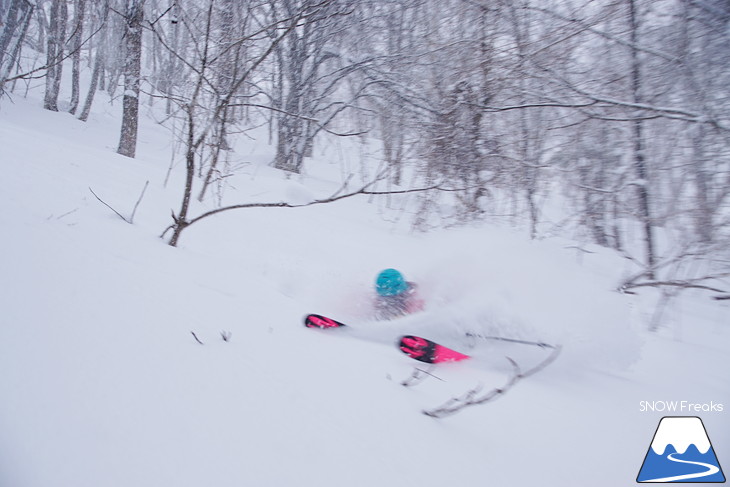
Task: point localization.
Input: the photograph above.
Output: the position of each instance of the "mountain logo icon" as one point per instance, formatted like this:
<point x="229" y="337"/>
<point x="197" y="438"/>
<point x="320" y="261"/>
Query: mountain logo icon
<point x="681" y="452"/>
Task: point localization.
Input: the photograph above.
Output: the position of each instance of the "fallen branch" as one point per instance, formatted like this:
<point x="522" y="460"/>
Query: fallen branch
<point x="683" y="284"/>
<point x="469" y="398"/>
<point x="511" y="340"/>
<point x="472" y="397"/>
<point x="108" y="206"/>
<point x="129" y="220"/>
<point x="180" y="222"/>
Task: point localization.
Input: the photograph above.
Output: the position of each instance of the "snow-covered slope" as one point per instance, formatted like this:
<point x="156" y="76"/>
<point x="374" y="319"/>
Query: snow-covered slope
<point x="103" y="384"/>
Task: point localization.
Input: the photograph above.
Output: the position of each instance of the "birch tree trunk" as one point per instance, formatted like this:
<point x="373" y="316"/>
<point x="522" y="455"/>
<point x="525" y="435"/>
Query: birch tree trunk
<point x="99" y="14"/>
<point x="638" y="143"/>
<point x="14" y="20"/>
<point x="54" y="55"/>
<point x="95" y="75"/>
<point x="132" y="72"/>
<point x="79" y="13"/>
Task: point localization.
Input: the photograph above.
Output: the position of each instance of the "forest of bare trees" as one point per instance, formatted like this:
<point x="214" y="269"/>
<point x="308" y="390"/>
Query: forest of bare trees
<point x="617" y="109"/>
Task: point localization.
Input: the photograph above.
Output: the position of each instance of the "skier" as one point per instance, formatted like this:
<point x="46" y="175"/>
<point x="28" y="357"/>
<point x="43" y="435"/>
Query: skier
<point x="395" y="296"/>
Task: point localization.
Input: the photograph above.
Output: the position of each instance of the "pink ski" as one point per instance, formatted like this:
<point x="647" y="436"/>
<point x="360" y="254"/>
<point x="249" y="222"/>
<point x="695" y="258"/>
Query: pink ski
<point x="415" y="347"/>
<point x="428" y="351"/>
<point x="319" y="321"/>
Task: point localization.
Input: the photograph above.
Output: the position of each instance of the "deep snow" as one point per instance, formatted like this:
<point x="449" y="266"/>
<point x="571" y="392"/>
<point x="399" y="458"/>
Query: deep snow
<point x="103" y="384"/>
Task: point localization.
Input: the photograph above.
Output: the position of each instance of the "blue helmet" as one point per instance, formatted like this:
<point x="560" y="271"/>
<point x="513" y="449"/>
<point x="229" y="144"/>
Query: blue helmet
<point x="390" y="282"/>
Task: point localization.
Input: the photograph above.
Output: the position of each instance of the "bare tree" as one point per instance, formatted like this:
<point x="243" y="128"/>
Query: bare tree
<point x="205" y="106"/>
<point x="15" y="17"/>
<point x="702" y="32"/>
<point x="230" y="56"/>
<point x="310" y="70"/>
<point x="617" y="108"/>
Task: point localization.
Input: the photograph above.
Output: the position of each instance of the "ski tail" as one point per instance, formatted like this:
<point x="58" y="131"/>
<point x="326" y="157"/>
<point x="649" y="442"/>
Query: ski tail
<point x="322" y="322"/>
<point x="428" y="351"/>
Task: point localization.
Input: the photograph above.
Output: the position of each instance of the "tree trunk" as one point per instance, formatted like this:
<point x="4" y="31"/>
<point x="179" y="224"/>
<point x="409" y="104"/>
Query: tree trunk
<point x="132" y="71"/>
<point x="172" y="61"/>
<point x="638" y="140"/>
<point x="181" y="219"/>
<point x="16" y="18"/>
<point x="79" y="12"/>
<point x="95" y="75"/>
<point x="702" y="177"/>
<point x="54" y="57"/>
<point x="9" y="23"/>
<point x="290" y="146"/>
<point x="219" y="143"/>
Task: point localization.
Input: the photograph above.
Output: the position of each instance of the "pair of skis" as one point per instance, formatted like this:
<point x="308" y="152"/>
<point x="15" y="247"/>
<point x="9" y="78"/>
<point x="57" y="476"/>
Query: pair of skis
<point x="419" y="348"/>
<point x="430" y="352"/>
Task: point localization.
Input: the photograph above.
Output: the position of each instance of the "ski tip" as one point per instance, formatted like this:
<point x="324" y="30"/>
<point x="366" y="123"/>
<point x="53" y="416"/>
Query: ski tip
<point x="321" y="322"/>
<point x="427" y="351"/>
<point x="417" y="348"/>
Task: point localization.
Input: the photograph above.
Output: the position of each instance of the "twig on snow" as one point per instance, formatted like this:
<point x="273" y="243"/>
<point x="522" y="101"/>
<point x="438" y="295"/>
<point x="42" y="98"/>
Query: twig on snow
<point x="129" y="220"/>
<point x="139" y="200"/>
<point x="196" y="338"/>
<point x="109" y="206"/>
<point x="418" y="376"/>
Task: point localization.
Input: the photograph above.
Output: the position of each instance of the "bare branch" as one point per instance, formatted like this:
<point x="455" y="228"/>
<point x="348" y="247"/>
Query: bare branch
<point x="588" y="27"/>
<point x="139" y="200"/>
<point x="110" y="207"/>
<point x="469" y="398"/>
<point x="508" y="108"/>
<point x="316" y="122"/>
<point x="472" y="397"/>
<point x="684" y="284"/>
<point x="129" y="220"/>
<point x="336" y="197"/>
